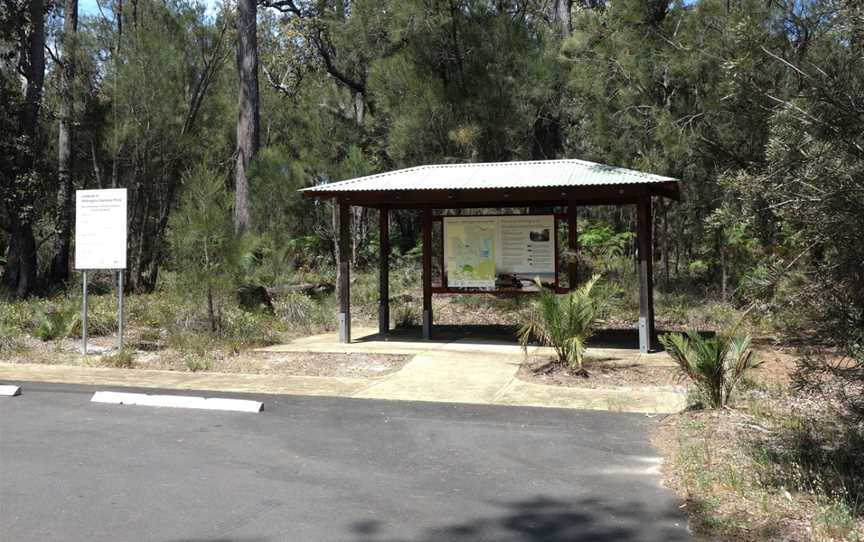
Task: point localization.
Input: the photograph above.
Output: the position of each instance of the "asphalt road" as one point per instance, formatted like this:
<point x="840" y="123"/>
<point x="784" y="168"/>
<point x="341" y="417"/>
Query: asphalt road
<point x="316" y="469"/>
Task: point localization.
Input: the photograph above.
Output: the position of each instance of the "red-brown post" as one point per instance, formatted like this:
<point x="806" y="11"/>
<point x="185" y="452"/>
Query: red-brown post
<point x="383" y="270"/>
<point x="343" y="281"/>
<point x="427" y="273"/>
<point x="572" y="245"/>
<point x="646" y="275"/>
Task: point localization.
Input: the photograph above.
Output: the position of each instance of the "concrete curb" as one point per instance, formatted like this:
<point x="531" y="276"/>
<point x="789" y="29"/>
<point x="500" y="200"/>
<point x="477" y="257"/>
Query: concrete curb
<point x="10" y="391"/>
<point x="176" y="401"/>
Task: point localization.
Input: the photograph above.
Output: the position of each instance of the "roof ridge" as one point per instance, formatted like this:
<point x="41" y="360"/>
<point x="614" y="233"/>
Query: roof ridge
<point x="581" y="173"/>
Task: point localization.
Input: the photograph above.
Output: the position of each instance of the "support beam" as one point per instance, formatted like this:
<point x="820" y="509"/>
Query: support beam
<point x="343" y="280"/>
<point x="572" y="245"/>
<point x="646" y="276"/>
<point x="427" y="273"/>
<point x="383" y="270"/>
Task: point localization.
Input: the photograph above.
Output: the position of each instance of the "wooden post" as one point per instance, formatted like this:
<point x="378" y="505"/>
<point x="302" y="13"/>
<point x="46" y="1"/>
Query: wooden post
<point x="383" y="270"/>
<point x="343" y="281"/>
<point x="646" y="276"/>
<point x="427" y="273"/>
<point x="572" y="245"/>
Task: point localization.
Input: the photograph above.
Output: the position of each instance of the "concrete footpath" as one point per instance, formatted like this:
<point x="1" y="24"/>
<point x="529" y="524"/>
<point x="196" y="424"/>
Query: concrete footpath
<point x="460" y="371"/>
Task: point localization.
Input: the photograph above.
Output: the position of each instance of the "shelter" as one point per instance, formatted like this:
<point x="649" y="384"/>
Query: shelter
<point x="537" y="185"/>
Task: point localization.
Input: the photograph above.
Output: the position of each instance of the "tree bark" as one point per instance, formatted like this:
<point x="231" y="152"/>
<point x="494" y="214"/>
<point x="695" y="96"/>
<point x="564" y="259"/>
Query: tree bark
<point x="563" y="18"/>
<point x="248" y="121"/>
<point x="19" y="276"/>
<point x="63" y="229"/>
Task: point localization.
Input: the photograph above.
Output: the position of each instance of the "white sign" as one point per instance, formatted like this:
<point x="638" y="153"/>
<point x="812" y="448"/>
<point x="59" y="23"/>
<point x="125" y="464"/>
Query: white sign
<point x="100" y="229"/>
<point x="489" y="252"/>
<point x="527" y="245"/>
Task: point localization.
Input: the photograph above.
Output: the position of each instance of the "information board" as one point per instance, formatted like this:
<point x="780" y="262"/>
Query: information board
<point x="100" y="229"/>
<point x="469" y="247"/>
<point x="499" y="252"/>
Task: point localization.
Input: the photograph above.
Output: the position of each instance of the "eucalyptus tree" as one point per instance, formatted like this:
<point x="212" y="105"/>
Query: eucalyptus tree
<point x="24" y="31"/>
<point x="63" y="221"/>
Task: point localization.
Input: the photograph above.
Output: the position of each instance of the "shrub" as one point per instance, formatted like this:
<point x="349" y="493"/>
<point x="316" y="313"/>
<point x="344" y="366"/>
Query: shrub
<point x="243" y="330"/>
<point x="406" y="315"/>
<point x="197" y="362"/>
<point x="101" y="316"/>
<point x="301" y="312"/>
<point x="123" y="359"/>
<point x="54" y="324"/>
<point x="715" y="364"/>
<point x="563" y="322"/>
<point x="10" y="339"/>
<point x="18" y="315"/>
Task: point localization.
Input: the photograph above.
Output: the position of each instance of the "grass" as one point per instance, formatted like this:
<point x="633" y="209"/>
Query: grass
<point x="124" y="359"/>
<point x="784" y="470"/>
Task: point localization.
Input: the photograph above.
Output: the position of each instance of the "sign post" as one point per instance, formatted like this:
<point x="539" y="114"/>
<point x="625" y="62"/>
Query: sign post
<point x="100" y="243"/>
<point x="84" y="314"/>
<point x="120" y="309"/>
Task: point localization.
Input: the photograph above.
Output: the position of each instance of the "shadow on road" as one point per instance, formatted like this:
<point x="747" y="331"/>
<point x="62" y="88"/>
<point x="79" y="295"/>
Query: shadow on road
<point x="550" y="520"/>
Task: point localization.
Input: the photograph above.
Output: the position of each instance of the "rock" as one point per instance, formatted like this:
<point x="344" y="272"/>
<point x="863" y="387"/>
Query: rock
<point x="254" y="298"/>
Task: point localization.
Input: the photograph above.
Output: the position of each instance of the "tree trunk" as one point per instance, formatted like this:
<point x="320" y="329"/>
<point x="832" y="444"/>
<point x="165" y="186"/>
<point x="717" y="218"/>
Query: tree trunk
<point x="722" y="249"/>
<point x="63" y="230"/>
<point x="248" y="101"/>
<point x="19" y="277"/>
<point x="562" y="17"/>
<point x="664" y="245"/>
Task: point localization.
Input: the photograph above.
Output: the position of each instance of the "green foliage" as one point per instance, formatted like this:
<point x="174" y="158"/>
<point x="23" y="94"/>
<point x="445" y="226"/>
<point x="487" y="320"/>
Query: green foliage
<point x="599" y="240"/>
<point x="242" y="330"/>
<point x="196" y="363"/>
<point x="10" y="340"/>
<point x="715" y="364"/>
<point x="16" y="316"/>
<point x="124" y="359"/>
<point x="52" y="324"/>
<point x="213" y="258"/>
<point x="820" y="458"/>
<point x="298" y="312"/>
<point x="406" y="316"/>
<point x="564" y="322"/>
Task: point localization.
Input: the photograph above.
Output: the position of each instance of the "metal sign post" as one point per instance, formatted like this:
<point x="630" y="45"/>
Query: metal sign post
<point x="120" y="309"/>
<point x="84" y="315"/>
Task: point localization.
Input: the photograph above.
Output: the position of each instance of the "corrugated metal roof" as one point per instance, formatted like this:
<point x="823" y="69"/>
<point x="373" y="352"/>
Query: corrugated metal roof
<point x="546" y="173"/>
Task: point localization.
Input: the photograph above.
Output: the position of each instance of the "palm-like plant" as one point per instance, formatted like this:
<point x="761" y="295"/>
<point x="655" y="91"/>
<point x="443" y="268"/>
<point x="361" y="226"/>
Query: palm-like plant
<point x="714" y="364"/>
<point x="563" y="322"/>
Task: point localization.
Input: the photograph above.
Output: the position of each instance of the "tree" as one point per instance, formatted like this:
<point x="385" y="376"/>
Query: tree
<point x="19" y="277"/>
<point x="156" y="128"/>
<point x="205" y="243"/>
<point x="248" y="120"/>
<point x="63" y="221"/>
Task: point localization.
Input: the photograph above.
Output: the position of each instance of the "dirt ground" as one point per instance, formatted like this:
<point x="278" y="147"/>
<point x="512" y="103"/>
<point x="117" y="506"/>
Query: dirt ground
<point x="601" y="374"/>
<point x="103" y="352"/>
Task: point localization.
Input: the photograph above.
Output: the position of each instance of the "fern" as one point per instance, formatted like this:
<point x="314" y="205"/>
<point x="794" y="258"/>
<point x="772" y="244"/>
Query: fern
<point x="562" y="322"/>
<point x="715" y="365"/>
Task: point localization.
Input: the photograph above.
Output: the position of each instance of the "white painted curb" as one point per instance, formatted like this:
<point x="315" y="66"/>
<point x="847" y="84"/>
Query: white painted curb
<point x="10" y="391"/>
<point x="176" y="401"/>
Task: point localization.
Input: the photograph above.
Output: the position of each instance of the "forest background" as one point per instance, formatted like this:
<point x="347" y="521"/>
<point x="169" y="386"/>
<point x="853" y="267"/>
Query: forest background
<point x="756" y="105"/>
<point x="214" y="115"/>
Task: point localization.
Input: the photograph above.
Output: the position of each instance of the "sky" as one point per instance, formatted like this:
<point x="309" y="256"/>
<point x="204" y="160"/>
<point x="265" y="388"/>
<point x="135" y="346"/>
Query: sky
<point x="90" y="7"/>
